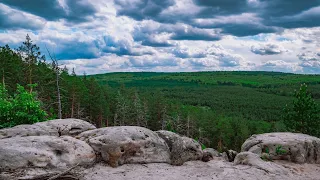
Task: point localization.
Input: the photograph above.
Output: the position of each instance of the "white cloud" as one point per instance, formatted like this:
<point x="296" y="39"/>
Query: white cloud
<point x="190" y="42"/>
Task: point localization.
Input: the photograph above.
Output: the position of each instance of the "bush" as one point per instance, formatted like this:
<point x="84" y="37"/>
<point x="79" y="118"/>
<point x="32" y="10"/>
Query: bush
<point x="22" y="108"/>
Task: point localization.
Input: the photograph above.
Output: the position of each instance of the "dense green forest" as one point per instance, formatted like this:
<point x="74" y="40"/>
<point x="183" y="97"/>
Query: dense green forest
<point x="219" y="109"/>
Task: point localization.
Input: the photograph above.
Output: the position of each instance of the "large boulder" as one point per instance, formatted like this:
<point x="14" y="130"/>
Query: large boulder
<point x="249" y="158"/>
<point x="44" y="152"/>
<point x="295" y="147"/>
<point x="182" y="149"/>
<point x="127" y="144"/>
<point x="57" y="127"/>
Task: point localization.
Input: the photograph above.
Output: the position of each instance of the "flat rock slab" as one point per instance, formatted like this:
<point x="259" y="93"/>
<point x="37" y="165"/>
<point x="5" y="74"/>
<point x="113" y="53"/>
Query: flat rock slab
<point x="57" y="127"/>
<point x="44" y="152"/>
<point x="197" y="170"/>
<point x="127" y="144"/>
<point x="295" y="147"/>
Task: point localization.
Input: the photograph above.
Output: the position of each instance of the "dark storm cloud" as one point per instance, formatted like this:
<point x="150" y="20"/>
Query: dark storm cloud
<point x="274" y="15"/>
<point x="240" y="28"/>
<point x="279" y="8"/>
<point x="147" y="32"/>
<point x="195" y="34"/>
<point x="246" y="29"/>
<point x="218" y="7"/>
<point x="13" y="20"/>
<point x="142" y="9"/>
<point x="74" y="11"/>
<point x="289" y="13"/>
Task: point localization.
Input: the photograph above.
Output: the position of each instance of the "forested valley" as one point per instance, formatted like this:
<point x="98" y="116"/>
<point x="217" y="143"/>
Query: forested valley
<point x="218" y="109"/>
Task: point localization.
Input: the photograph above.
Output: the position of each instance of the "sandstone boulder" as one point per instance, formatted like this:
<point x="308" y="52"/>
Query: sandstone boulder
<point x="249" y="158"/>
<point x="57" y="127"/>
<point x="127" y="144"/>
<point x="229" y="155"/>
<point x="209" y="154"/>
<point x="44" y="152"/>
<point x="295" y="147"/>
<point x="182" y="149"/>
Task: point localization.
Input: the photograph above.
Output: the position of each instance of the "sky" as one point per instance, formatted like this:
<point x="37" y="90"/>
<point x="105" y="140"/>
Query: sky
<point x="100" y="36"/>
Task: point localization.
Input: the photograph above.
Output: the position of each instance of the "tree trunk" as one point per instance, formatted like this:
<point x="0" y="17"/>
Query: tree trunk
<point x="72" y="106"/>
<point x="59" y="97"/>
<point x="30" y="79"/>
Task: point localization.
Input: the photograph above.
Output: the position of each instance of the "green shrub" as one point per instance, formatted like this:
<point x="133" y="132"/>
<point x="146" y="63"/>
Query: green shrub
<point x="22" y="108"/>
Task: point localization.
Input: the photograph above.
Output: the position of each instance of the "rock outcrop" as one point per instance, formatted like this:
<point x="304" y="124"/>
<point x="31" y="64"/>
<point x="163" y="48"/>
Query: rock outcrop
<point x="182" y="149"/>
<point x="127" y="144"/>
<point x="249" y="158"/>
<point x="75" y="148"/>
<point x="295" y="147"/>
<point x="57" y="127"/>
<point x="44" y="152"/>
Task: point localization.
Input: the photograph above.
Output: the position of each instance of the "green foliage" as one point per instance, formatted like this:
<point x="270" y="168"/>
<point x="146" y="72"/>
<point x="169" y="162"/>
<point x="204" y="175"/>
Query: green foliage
<point x="280" y="150"/>
<point x="202" y="145"/>
<point x="304" y="116"/>
<point x="22" y="108"/>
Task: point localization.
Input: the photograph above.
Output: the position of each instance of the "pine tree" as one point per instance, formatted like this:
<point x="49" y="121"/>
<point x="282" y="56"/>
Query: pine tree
<point x="304" y="116"/>
<point x="122" y="110"/>
<point x="31" y="55"/>
<point x="10" y="68"/>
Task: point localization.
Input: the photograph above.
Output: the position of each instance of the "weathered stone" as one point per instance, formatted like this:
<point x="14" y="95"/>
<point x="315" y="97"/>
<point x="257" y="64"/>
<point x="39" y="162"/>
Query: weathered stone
<point x="57" y="127"/>
<point x="229" y="155"/>
<point x="45" y="152"/>
<point x="295" y="147"/>
<point x="213" y="152"/>
<point x="206" y="157"/>
<point x="249" y="158"/>
<point x="127" y="144"/>
<point x="209" y="154"/>
<point x="182" y="149"/>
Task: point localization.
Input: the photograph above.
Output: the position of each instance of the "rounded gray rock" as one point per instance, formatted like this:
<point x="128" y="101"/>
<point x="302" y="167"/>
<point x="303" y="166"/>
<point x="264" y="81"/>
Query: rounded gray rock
<point x="182" y="148"/>
<point x="44" y="152"/>
<point x="57" y="127"/>
<point x="127" y="145"/>
<point x="295" y="147"/>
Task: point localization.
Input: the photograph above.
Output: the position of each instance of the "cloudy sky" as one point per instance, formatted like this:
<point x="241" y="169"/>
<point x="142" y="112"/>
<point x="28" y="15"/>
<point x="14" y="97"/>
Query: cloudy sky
<point x="99" y="36"/>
